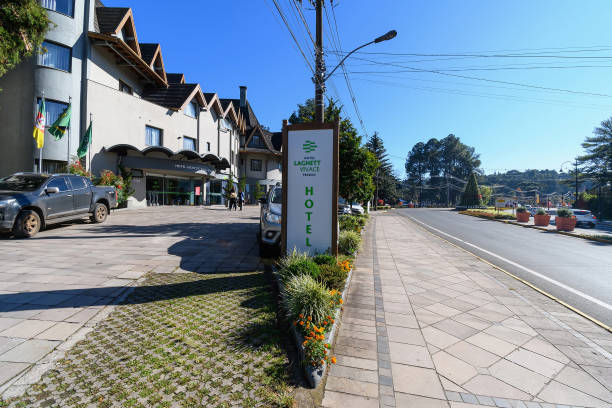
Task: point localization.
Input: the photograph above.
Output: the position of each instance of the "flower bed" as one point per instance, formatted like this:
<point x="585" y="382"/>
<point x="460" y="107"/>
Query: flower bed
<point x="491" y="215"/>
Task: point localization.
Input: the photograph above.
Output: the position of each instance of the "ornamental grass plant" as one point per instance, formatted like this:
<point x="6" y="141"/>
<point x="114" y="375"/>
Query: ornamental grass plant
<point x="333" y="276"/>
<point x="348" y="242"/>
<point x="308" y="297"/>
<point x="324" y="259"/>
<point x="564" y="213"/>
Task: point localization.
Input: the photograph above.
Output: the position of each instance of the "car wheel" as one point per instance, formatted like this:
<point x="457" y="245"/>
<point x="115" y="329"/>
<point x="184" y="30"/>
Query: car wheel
<point x="99" y="214"/>
<point x="27" y="224"/>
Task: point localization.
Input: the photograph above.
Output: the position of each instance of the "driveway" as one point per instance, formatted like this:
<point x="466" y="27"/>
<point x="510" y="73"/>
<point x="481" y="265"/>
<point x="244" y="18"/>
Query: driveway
<point x="55" y="287"/>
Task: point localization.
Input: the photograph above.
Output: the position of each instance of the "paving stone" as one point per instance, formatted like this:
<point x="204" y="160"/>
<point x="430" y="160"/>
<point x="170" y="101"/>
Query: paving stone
<point x="9" y="370"/>
<point x="349" y="386"/>
<point x="61" y="331"/>
<point x="403" y="320"/>
<point x="518" y="376"/>
<point x="439" y="338"/>
<point x="410" y="354"/>
<point x="415" y="401"/>
<point x="584" y="382"/>
<point x="455" y="328"/>
<point x="354" y="373"/>
<point x="558" y="393"/>
<point x="452" y="368"/>
<point x="357" y="362"/>
<point x="491" y="386"/>
<point x="405" y="335"/>
<point x="417" y="381"/>
<point x="334" y="399"/>
<point x="27" y="328"/>
<point x="491" y="344"/>
<point x="535" y="362"/>
<point x="7" y="343"/>
<point x="472" y="354"/>
<point x="29" y="351"/>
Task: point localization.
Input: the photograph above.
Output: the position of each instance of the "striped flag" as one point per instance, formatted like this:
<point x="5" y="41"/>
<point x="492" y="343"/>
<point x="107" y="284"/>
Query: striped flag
<point x="39" y="125"/>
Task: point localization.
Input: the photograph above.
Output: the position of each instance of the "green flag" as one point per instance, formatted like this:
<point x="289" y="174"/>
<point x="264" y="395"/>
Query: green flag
<point x="85" y="143"/>
<point x="58" y="128"/>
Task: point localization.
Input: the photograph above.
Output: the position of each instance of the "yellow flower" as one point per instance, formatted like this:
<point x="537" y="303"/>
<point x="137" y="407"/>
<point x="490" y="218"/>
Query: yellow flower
<point x="341" y="301"/>
<point x="333" y="360"/>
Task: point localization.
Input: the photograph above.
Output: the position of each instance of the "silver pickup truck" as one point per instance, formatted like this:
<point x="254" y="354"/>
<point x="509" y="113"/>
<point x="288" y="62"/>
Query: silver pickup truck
<point x="31" y="201"/>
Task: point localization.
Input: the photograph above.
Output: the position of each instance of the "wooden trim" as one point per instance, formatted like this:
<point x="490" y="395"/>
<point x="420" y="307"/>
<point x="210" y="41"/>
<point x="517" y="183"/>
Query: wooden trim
<point x="129" y="16"/>
<point x="197" y="92"/>
<point x="284" y="181"/>
<point x="335" y="188"/>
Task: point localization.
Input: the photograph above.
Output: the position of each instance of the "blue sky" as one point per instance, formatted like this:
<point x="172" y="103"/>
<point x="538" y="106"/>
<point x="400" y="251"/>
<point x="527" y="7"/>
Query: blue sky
<point x="226" y="44"/>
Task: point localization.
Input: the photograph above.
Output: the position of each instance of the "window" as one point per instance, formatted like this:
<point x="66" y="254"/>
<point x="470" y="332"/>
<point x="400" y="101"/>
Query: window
<point x="255" y="165"/>
<point x="55" y="56"/>
<point x="191" y="109"/>
<point x="256" y="141"/>
<point x="189" y="143"/>
<point x="60" y="183"/>
<point x="52" y="111"/>
<point x="208" y="146"/>
<point x="125" y="88"/>
<point x="153" y="136"/>
<point x="78" y="183"/>
<point x="60" y="6"/>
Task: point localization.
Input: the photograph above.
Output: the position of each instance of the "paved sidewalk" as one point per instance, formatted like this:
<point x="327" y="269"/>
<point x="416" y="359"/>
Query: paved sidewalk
<point x="429" y="325"/>
<point x="55" y="287"/>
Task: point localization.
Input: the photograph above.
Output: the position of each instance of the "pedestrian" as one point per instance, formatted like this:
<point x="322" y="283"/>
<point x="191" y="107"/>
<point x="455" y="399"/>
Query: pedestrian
<point x="240" y="199"/>
<point x="232" y="203"/>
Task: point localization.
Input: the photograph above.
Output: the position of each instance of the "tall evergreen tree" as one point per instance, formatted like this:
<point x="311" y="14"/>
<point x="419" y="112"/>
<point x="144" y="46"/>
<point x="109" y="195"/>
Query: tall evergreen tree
<point x="385" y="180"/>
<point x="598" y="158"/>
<point x="471" y="195"/>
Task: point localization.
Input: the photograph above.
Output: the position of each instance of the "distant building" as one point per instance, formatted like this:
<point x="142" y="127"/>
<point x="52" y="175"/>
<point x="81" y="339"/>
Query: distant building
<point x="179" y="142"/>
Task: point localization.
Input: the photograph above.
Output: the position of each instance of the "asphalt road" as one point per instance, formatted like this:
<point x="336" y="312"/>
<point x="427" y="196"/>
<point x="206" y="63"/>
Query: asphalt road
<point x="575" y="270"/>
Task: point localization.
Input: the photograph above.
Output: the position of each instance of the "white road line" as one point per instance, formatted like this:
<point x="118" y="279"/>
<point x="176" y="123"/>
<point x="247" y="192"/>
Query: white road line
<point x="531" y="271"/>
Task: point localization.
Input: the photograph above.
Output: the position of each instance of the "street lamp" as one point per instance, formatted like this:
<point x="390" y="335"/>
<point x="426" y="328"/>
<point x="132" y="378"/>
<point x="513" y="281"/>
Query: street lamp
<point x="320" y="76"/>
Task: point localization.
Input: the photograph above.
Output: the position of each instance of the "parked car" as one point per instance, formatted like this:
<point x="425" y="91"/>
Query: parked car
<point x="356" y="209"/>
<point x="269" y="235"/>
<point x="31" y="201"/>
<point x="585" y="217"/>
<point x="553" y="214"/>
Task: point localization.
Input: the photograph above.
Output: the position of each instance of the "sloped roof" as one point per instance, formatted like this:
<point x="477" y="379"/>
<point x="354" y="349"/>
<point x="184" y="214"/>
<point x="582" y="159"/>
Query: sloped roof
<point x="209" y="96"/>
<point x="147" y="51"/>
<point x="107" y="19"/>
<point x="175" y="78"/>
<point x="174" y="97"/>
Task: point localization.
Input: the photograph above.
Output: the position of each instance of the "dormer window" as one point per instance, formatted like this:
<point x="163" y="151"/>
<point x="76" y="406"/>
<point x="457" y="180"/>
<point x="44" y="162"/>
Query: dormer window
<point x="257" y="142"/>
<point x="191" y="109"/>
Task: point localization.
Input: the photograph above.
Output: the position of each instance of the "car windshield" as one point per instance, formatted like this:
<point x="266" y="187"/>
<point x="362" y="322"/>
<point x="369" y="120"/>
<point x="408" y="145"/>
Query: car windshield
<point x="277" y="196"/>
<point x="21" y="182"/>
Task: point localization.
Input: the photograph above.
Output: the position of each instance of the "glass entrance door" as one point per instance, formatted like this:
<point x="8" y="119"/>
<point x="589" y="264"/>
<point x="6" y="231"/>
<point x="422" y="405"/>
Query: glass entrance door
<point x="155" y="190"/>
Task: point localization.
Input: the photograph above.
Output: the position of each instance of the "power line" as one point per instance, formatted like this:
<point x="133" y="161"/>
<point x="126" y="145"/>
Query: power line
<point x="282" y="15"/>
<point x="412" y="69"/>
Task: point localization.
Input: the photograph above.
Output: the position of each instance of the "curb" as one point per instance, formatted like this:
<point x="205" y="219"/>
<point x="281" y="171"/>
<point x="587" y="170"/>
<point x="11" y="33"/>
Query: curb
<point x="569" y="234"/>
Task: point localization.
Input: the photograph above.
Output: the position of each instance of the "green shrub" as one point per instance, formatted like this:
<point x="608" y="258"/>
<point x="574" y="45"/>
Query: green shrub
<point x="292" y="257"/>
<point x="332" y="276"/>
<point x="541" y="211"/>
<point x="304" y="295"/>
<point x="349" y="242"/>
<point x="564" y="213"/>
<point x="521" y="210"/>
<point x="349" y="223"/>
<point x="301" y="267"/>
<point x="324" y="259"/>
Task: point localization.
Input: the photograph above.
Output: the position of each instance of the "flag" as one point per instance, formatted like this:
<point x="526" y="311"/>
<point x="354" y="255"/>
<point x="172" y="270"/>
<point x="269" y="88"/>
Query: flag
<point x="58" y="128"/>
<point x="85" y="143"/>
<point x="39" y="125"/>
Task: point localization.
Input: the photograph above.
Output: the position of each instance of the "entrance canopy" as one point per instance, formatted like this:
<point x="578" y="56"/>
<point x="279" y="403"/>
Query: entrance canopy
<point x="186" y="158"/>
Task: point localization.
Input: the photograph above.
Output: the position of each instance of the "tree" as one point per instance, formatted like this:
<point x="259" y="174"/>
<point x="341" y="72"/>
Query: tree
<point x="258" y="193"/>
<point x="471" y="195"/>
<point x="242" y="181"/>
<point x="229" y="186"/>
<point x="23" y="24"/>
<point x="357" y="164"/>
<point x="486" y="192"/>
<point x="598" y="158"/>
<point x="386" y="182"/>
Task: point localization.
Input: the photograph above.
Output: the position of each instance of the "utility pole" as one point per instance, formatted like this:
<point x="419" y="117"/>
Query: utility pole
<point x="447" y="192"/>
<point x="319" y="65"/>
<point x="576" y="170"/>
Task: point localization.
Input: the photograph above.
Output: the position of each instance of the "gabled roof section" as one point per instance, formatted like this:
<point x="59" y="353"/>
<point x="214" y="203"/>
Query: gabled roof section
<point x="266" y="137"/>
<point x="151" y="54"/>
<point x="175" y="78"/>
<point x="118" y="21"/>
<point x="212" y="102"/>
<point x="175" y="96"/>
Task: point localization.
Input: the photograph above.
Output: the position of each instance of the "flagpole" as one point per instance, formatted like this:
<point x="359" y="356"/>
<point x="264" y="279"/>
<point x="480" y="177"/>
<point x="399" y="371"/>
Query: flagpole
<point x="89" y="147"/>
<point x="40" y="159"/>
<point x="69" y="126"/>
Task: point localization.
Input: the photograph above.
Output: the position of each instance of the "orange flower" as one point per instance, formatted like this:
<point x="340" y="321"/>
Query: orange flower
<point x="326" y="345"/>
<point x="329" y="317"/>
<point x="322" y="362"/>
<point x="333" y="360"/>
<point x="301" y="316"/>
<point x="325" y="323"/>
<point x="304" y="343"/>
<point x="301" y="323"/>
<point x="311" y="333"/>
<point x="309" y="318"/>
<point x="341" y="301"/>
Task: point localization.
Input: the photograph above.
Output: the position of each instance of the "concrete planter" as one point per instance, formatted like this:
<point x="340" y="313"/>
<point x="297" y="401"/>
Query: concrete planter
<point x="541" y="220"/>
<point x="522" y="216"/>
<point x="565" y="223"/>
<point x="314" y="375"/>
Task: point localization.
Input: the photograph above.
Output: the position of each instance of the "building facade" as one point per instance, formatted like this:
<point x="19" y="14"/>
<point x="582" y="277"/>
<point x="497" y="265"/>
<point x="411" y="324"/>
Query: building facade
<point x="179" y="143"/>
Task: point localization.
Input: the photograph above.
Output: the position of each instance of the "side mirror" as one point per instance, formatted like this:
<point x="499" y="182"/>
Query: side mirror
<point x="51" y="190"/>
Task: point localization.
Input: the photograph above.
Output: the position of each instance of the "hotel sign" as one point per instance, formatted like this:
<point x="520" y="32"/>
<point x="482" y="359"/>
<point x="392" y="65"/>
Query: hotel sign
<point x="310" y="187"/>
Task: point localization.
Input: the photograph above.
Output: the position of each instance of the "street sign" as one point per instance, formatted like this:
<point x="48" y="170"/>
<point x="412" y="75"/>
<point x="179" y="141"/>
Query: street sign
<point x="500" y="202"/>
<point x="310" y="188"/>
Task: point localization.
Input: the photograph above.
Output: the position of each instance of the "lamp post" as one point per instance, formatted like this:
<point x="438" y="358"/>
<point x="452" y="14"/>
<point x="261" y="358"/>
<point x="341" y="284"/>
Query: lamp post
<point x="576" y="174"/>
<point x="320" y="77"/>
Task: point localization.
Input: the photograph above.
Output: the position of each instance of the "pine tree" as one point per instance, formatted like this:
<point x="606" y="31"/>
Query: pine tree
<point x="471" y="195"/>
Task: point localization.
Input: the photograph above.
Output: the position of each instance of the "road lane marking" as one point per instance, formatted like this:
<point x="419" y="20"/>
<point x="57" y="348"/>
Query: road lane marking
<point x="531" y="271"/>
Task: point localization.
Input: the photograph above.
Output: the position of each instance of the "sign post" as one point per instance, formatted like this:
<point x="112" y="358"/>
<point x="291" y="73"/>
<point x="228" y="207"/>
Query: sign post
<point x="310" y="188"/>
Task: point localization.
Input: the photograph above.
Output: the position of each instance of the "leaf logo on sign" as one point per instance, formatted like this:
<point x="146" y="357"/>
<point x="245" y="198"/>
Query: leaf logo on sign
<point x="309" y="146"/>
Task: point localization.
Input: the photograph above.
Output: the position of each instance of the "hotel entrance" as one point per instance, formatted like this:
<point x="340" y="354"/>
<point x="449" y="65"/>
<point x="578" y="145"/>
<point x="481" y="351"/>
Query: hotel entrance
<point x="171" y="190"/>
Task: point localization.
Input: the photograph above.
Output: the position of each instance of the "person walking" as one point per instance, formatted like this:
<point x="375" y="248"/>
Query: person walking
<point x="232" y="202"/>
<point x="240" y="199"/>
